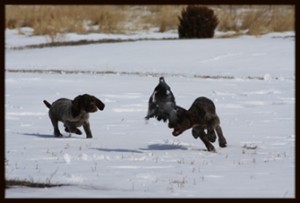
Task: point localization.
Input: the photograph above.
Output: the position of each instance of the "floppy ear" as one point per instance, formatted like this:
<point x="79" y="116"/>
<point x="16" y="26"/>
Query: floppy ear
<point x="99" y="103"/>
<point x="76" y="105"/>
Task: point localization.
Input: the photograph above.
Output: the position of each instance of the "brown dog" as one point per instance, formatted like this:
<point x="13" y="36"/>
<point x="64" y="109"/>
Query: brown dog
<point x="73" y="113"/>
<point x="201" y="116"/>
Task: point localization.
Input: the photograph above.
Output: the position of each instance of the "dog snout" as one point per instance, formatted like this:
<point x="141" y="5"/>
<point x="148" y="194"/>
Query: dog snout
<point x="92" y="107"/>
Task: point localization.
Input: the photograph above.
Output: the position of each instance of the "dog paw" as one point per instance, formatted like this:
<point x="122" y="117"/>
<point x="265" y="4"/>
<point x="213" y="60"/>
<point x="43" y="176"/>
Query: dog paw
<point x="57" y="133"/>
<point x="78" y="132"/>
<point x="66" y="129"/>
<point x="211" y="149"/>
<point x="212" y="137"/>
<point x="222" y="143"/>
<point x="195" y="135"/>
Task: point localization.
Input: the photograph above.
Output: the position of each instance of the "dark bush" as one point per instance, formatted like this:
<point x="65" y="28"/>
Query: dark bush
<point x="197" y="22"/>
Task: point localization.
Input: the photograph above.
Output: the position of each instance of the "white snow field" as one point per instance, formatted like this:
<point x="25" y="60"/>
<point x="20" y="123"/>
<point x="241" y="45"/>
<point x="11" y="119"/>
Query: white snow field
<point x="250" y="79"/>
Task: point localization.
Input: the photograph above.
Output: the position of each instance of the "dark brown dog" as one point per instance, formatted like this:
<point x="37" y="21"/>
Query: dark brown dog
<point x="201" y="116"/>
<point x="73" y="113"/>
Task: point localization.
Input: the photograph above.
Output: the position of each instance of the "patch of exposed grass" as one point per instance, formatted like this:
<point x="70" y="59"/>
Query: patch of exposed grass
<point x="141" y="74"/>
<point x="257" y="20"/>
<point x="82" y="42"/>
<point x="163" y="17"/>
<point x="50" y="20"/>
<point x="26" y="183"/>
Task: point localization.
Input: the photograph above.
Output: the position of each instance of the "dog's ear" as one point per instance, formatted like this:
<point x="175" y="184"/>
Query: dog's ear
<point x="99" y="103"/>
<point x="76" y="106"/>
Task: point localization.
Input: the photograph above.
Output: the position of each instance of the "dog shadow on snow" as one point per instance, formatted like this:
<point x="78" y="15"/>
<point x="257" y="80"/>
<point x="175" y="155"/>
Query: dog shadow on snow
<point x="38" y="135"/>
<point x="149" y="148"/>
<point x="48" y="136"/>
<point x="117" y="150"/>
<point x="140" y="150"/>
<point x="164" y="147"/>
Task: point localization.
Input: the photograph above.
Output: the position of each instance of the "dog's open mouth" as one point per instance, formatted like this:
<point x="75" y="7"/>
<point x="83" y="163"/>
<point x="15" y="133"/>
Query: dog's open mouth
<point x="92" y="109"/>
<point x="176" y="132"/>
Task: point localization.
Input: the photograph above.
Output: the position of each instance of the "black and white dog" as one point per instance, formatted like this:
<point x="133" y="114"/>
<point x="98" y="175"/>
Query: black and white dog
<point x="162" y="105"/>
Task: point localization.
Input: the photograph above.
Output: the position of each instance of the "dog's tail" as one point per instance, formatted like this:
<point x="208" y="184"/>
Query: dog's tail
<point x="47" y="104"/>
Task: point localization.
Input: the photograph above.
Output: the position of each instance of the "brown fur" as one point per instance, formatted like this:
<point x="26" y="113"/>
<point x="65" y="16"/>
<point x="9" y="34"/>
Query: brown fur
<point x="201" y="116"/>
<point x="73" y="113"/>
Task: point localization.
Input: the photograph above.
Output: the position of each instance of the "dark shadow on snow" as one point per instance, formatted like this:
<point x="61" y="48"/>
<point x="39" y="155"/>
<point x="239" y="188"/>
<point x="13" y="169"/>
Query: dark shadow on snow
<point x="164" y="147"/>
<point x="118" y="150"/>
<point x="47" y="135"/>
<point x="38" y="135"/>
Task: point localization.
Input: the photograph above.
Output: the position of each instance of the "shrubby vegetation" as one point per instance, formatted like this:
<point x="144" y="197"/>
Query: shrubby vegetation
<point x="197" y="22"/>
<point x="51" y="20"/>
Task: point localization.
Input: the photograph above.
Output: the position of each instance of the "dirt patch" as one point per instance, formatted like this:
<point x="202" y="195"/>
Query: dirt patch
<point x="25" y="183"/>
<point x="83" y="42"/>
<point x="133" y="73"/>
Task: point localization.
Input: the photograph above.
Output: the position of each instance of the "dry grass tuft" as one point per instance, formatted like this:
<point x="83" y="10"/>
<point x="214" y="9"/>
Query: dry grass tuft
<point x="257" y="19"/>
<point x="163" y="17"/>
<point x="62" y="19"/>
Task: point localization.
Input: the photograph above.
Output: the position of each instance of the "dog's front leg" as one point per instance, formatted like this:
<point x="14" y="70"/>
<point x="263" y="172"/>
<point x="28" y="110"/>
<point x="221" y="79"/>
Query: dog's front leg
<point x="222" y="140"/>
<point x="211" y="135"/>
<point x="87" y="129"/>
<point x="199" y="132"/>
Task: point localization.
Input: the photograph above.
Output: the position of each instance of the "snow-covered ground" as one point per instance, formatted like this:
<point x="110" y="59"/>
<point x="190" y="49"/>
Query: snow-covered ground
<point x="131" y="158"/>
<point x="24" y="37"/>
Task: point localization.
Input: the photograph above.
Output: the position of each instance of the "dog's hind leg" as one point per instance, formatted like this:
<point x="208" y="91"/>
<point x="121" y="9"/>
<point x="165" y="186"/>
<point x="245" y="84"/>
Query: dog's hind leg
<point x="55" y="126"/>
<point x="222" y="140"/>
<point x="72" y="129"/>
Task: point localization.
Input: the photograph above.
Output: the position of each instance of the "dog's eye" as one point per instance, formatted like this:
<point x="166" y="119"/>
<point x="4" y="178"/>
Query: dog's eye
<point x="90" y="101"/>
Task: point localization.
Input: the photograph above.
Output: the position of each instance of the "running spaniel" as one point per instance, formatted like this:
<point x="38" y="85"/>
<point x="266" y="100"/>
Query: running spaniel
<point x="201" y="117"/>
<point x="73" y="113"/>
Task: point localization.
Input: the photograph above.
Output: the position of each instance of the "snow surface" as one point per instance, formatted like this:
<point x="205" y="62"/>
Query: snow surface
<point x="129" y="157"/>
<point x="24" y="37"/>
